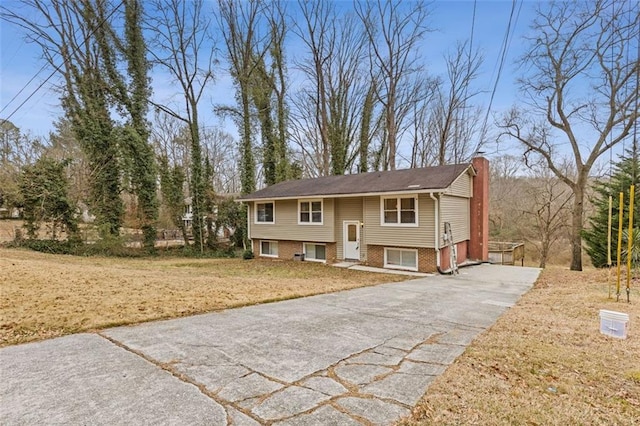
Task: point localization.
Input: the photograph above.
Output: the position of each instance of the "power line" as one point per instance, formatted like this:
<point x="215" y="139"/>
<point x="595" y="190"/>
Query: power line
<point x="57" y="68"/>
<point x="23" y="88"/>
<point x="505" y="47"/>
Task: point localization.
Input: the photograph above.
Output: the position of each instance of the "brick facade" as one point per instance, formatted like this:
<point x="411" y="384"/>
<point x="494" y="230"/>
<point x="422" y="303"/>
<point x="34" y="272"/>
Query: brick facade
<point x="426" y="257"/>
<point x="479" y="220"/>
<point x="287" y="249"/>
<point x="462" y="251"/>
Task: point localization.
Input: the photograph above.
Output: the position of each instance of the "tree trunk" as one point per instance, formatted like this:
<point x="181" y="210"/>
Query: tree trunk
<point x="576" y="227"/>
<point x="544" y="251"/>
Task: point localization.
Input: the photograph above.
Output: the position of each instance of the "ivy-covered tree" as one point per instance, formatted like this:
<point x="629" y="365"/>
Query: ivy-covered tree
<point x="233" y="216"/>
<point x="45" y="198"/>
<point x="625" y="173"/>
<point x="171" y="183"/>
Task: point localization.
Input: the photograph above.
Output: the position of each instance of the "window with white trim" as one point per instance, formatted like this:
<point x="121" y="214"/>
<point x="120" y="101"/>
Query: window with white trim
<point x="310" y="212"/>
<point x="265" y="212"/>
<point x="315" y="252"/>
<point x="400" y="211"/>
<point x="269" y="248"/>
<point x="401" y="258"/>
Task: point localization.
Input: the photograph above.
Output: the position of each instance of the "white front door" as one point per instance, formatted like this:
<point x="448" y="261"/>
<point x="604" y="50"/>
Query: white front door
<point x="352" y="239"/>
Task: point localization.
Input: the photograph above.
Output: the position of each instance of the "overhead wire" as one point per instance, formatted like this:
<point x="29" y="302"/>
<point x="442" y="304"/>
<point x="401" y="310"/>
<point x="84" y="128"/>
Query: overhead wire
<point x="57" y="68"/>
<point x="24" y="87"/>
<point x="508" y="36"/>
<point x="466" y="87"/>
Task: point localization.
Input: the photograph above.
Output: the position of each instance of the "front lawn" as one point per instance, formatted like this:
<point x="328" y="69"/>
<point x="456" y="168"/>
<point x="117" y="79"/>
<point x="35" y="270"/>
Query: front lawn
<point x="43" y="295"/>
<point x="545" y="362"/>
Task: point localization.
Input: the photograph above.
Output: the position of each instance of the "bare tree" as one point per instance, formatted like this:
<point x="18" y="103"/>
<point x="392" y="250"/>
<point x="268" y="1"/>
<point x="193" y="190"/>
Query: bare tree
<point x="171" y="140"/>
<point x="580" y="77"/>
<point x="455" y="121"/>
<point x="394" y="29"/>
<point x="446" y="122"/>
<point x="241" y="24"/>
<point x="505" y="187"/>
<point x="64" y="146"/>
<point x="546" y="210"/>
<point x="81" y="36"/>
<point x="221" y="152"/>
<point x="330" y="104"/>
<point x="180" y="44"/>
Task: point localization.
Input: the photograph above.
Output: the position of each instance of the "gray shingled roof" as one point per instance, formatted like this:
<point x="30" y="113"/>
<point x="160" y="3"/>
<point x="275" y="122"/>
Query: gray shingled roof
<point x="421" y="179"/>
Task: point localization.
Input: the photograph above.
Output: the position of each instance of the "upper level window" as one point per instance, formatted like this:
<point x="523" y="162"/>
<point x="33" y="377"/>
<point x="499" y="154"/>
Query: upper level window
<point x="265" y="212"/>
<point x="400" y="210"/>
<point x="310" y="212"/>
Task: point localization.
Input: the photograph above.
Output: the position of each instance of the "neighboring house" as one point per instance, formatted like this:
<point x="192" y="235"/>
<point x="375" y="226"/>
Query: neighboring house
<point x="391" y="219"/>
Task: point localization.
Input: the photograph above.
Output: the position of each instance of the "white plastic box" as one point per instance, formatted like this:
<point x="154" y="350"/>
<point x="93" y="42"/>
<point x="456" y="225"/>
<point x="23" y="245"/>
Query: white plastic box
<point x="614" y="324"/>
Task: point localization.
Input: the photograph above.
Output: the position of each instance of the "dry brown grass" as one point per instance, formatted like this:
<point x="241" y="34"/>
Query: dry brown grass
<point x="8" y="229"/>
<point x="545" y="363"/>
<point x="44" y="295"/>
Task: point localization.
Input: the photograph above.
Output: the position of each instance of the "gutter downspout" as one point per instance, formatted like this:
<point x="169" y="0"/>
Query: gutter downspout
<point x="248" y="236"/>
<point x="436" y="202"/>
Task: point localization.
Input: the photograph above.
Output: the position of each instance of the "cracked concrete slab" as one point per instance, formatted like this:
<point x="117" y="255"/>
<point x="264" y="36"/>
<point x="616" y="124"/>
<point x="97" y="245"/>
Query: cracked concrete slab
<point x="401" y="387"/>
<point x="376" y="411"/>
<point x="325" y="416"/>
<point x="421" y="368"/>
<point x="213" y="378"/>
<point x="289" y="402"/>
<point x="85" y="379"/>
<point x="376" y="359"/>
<point x="436" y="353"/>
<point x="247" y="387"/>
<point x="272" y="361"/>
<point x="240" y="419"/>
<point x="360" y="374"/>
<point x="325" y="385"/>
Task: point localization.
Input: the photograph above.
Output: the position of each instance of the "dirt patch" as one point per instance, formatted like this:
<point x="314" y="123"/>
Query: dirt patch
<point x="545" y="362"/>
<point x="44" y="295"/>
<point x="8" y="229"/>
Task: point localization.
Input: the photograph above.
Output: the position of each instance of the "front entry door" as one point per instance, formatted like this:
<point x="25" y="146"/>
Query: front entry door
<point x="352" y="239"/>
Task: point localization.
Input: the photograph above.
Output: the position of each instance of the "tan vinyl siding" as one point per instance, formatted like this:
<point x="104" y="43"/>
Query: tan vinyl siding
<point x="286" y="225"/>
<point x="461" y="187"/>
<point x="348" y="209"/>
<point x="400" y="236"/>
<point x="455" y="210"/>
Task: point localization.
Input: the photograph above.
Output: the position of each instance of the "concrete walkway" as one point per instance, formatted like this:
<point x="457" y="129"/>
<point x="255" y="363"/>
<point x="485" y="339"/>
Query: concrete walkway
<point x="363" y="356"/>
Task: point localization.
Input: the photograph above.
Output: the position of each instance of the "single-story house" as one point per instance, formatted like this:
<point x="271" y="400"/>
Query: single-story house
<point x="391" y="219"/>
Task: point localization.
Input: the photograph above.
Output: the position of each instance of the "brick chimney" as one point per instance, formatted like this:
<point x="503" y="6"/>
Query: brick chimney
<point x="479" y="222"/>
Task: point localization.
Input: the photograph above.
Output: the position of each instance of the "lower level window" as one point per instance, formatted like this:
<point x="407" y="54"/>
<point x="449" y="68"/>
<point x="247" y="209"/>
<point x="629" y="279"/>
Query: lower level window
<point x="402" y="259"/>
<point x="269" y="248"/>
<point x="315" y="252"/>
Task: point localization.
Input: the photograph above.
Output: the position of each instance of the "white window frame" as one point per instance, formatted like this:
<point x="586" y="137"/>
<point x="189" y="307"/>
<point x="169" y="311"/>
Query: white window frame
<point x="406" y="268"/>
<point x="398" y="199"/>
<point x="270" y="242"/>
<point x="255" y="215"/>
<point x="311" y="201"/>
<point x="304" y="249"/>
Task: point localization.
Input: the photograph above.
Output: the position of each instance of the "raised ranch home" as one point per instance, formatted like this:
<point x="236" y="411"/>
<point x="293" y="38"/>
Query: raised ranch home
<point x="401" y="219"/>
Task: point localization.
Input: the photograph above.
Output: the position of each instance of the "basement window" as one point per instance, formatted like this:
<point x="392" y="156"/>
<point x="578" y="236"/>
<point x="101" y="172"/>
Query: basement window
<point x="401" y="259"/>
<point x="268" y="248"/>
<point x="315" y="252"/>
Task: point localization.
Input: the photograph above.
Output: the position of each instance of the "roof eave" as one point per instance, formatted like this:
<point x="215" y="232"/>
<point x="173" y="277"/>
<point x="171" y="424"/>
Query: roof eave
<point x="360" y="194"/>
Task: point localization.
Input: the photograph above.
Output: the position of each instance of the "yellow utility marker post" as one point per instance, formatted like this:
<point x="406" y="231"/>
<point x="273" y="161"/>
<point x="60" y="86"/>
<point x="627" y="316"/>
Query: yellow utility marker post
<point x="620" y="214"/>
<point x="630" y="241"/>
<point x="609" y="246"/>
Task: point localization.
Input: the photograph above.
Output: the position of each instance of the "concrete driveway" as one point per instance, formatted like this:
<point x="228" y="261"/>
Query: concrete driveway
<point x="363" y="356"/>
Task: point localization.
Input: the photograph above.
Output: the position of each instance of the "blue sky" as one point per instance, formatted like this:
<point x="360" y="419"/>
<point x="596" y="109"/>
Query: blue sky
<point x="452" y="20"/>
